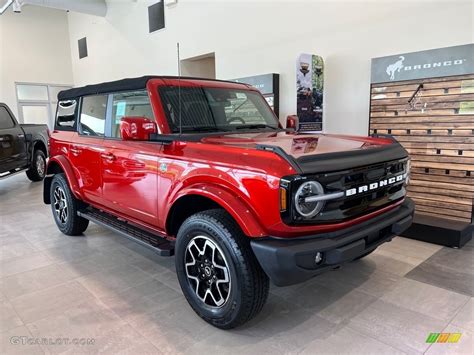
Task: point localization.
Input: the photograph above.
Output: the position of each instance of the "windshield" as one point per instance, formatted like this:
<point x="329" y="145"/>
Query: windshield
<point x="215" y="109"/>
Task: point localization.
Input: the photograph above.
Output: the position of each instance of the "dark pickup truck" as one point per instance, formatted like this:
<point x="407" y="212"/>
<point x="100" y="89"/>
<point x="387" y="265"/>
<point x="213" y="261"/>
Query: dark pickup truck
<point x="22" y="146"/>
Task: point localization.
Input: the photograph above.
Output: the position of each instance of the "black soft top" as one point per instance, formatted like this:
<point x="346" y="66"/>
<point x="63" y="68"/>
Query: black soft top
<point x="119" y="85"/>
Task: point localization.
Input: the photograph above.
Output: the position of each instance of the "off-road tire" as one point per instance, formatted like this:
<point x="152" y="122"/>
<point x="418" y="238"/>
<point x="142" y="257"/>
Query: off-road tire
<point x="35" y="172"/>
<point x="72" y="224"/>
<point x="249" y="284"/>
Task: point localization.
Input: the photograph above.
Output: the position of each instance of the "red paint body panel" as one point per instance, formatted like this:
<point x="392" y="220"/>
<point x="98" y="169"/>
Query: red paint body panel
<point x="141" y="180"/>
<point x="136" y="128"/>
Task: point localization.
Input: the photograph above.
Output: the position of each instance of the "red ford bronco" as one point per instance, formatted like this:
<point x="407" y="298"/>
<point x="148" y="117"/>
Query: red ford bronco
<point x="203" y="170"/>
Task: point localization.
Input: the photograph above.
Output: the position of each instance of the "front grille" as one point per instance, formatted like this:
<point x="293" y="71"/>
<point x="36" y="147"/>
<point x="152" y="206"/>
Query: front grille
<point x="349" y="207"/>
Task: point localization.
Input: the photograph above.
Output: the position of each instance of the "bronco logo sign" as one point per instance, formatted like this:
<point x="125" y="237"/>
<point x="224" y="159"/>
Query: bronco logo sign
<point x="441" y="62"/>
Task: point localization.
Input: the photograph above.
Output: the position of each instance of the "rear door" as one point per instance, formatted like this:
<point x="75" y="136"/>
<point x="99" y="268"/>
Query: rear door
<point x="86" y="148"/>
<point x="129" y="168"/>
<point x="13" y="152"/>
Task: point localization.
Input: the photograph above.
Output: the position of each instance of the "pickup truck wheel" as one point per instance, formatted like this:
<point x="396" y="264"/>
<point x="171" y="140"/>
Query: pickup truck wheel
<point x="37" y="170"/>
<point x="65" y="206"/>
<point x="217" y="270"/>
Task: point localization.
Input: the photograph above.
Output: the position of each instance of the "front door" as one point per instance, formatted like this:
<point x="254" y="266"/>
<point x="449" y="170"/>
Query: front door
<point x="129" y="168"/>
<point x="13" y="152"/>
<point x="129" y="177"/>
<point x="86" y="150"/>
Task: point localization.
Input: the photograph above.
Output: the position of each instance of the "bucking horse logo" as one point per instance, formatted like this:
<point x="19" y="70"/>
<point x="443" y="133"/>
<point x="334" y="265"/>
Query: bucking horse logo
<point x="397" y="66"/>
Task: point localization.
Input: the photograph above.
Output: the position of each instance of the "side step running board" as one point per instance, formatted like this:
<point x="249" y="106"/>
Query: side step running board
<point x="12" y="172"/>
<point x="155" y="242"/>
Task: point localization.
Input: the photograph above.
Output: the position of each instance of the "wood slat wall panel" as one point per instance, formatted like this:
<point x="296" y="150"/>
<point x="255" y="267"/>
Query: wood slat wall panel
<point x="438" y="132"/>
<point x="431" y="99"/>
<point x="442" y="159"/>
<point x="436" y="173"/>
<point x="430" y="177"/>
<point x="429" y="145"/>
<point x="445" y="212"/>
<point x="435" y="139"/>
<point x="432" y="106"/>
<point x="408" y="94"/>
<point x="432" y="197"/>
<point x="424" y="125"/>
<point x="444" y="205"/>
<point x="445" y="152"/>
<point x="439" y="192"/>
<point x="426" y="119"/>
<point x="443" y="166"/>
<point x="423" y="132"/>
<point x="443" y="185"/>
<point x="461" y="86"/>
<point x="427" y="113"/>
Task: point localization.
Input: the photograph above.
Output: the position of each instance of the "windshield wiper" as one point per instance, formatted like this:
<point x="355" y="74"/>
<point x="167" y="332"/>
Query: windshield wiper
<point x="257" y="125"/>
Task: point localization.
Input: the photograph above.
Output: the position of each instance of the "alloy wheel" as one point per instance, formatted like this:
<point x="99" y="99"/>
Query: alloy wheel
<point x="40" y="166"/>
<point x="207" y="271"/>
<point x="60" y="205"/>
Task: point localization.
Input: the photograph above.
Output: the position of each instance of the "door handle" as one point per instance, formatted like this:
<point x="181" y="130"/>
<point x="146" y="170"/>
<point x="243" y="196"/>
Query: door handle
<point x="133" y="164"/>
<point x="75" y="150"/>
<point x="108" y="156"/>
<point x="21" y="135"/>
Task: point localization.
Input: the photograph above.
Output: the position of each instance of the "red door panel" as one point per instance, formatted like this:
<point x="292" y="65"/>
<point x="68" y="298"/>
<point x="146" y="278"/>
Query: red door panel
<point x="129" y="175"/>
<point x="85" y="155"/>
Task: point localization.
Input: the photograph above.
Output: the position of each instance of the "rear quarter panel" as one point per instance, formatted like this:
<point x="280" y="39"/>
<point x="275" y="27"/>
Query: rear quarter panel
<point x="37" y="133"/>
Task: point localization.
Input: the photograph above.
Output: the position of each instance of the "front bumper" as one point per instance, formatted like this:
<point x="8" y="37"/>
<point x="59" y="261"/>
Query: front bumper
<point x="288" y="262"/>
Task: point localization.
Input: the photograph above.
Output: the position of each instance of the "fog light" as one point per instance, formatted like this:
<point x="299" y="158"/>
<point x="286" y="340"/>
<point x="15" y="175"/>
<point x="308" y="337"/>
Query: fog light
<point x="318" y="258"/>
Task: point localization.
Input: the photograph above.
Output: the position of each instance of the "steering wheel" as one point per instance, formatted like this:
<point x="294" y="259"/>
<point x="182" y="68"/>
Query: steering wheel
<point x="87" y="130"/>
<point x="240" y="119"/>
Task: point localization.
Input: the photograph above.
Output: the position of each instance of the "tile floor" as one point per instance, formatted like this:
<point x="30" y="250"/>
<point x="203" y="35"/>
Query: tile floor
<point x="128" y="300"/>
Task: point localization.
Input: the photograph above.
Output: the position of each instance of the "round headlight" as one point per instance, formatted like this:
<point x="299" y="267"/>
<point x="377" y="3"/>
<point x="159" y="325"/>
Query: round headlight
<point x="308" y="189"/>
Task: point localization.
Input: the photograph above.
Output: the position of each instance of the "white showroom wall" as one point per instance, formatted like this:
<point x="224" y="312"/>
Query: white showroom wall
<point x="34" y="47"/>
<point x="258" y="37"/>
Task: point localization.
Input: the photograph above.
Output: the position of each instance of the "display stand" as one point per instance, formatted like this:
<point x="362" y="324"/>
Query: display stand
<point x="433" y="118"/>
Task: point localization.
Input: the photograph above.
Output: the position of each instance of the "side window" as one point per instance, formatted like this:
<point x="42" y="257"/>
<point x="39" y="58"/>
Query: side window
<point x="6" y="120"/>
<point x="92" y="121"/>
<point x="66" y="115"/>
<point x="129" y="104"/>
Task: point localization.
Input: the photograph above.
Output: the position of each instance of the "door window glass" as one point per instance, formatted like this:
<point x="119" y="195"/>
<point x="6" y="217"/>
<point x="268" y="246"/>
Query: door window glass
<point x="92" y="122"/>
<point x="5" y="119"/>
<point x="129" y="104"/>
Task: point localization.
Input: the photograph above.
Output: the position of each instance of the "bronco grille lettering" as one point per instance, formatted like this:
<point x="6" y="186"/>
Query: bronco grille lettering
<point x="375" y="185"/>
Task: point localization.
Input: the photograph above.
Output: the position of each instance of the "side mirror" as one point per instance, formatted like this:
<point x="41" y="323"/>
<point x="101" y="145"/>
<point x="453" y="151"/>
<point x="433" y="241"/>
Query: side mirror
<point x="292" y="122"/>
<point x="137" y="128"/>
